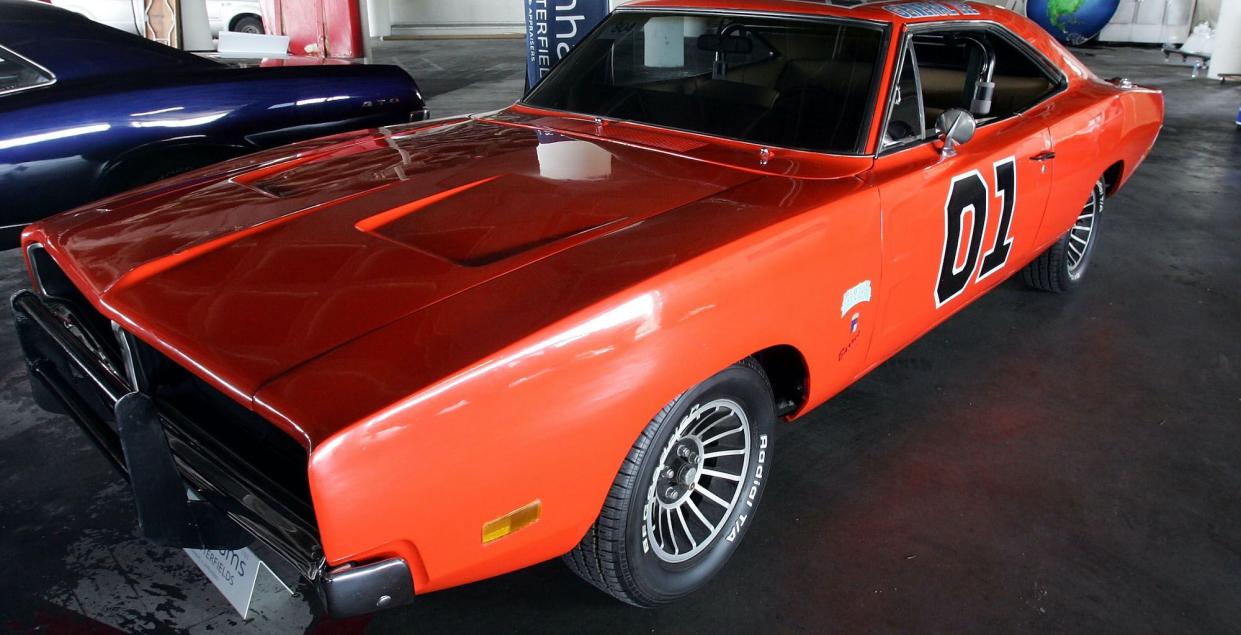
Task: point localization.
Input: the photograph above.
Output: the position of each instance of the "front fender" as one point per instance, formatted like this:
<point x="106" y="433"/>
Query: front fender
<point x="551" y="415"/>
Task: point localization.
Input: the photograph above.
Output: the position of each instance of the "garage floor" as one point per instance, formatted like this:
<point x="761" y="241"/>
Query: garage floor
<point x="1037" y="463"/>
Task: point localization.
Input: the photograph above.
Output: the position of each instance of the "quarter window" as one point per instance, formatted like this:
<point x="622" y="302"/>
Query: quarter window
<point x="18" y="74"/>
<point x="906" y="123"/>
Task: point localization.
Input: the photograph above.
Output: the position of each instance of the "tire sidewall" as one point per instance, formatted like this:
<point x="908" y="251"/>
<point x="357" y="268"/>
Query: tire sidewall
<point x="657" y="581"/>
<point x="247" y="21"/>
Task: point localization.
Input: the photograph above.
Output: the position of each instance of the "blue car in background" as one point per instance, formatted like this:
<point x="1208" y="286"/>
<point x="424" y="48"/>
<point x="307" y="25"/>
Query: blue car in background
<point x="87" y="111"/>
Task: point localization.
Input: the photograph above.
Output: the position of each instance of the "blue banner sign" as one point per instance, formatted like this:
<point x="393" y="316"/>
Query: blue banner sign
<point x="555" y="26"/>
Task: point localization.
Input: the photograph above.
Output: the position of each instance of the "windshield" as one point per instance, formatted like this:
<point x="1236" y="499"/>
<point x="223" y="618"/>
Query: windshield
<point x="803" y="84"/>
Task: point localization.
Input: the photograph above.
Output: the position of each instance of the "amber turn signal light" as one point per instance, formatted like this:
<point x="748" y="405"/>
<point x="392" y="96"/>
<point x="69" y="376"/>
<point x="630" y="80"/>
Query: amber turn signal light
<point x="517" y="519"/>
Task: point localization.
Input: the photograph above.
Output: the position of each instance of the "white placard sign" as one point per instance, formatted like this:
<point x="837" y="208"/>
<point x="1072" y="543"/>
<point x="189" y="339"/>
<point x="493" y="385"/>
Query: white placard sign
<point x="235" y="573"/>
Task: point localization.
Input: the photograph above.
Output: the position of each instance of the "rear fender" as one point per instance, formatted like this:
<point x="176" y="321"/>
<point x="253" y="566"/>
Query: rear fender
<point x="1143" y="113"/>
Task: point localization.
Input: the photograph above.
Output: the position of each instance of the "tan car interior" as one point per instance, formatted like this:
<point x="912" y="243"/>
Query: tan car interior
<point x="944" y="88"/>
<point x="946" y="82"/>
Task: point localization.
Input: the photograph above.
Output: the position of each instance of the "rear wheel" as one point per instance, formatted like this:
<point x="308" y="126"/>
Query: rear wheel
<point x="1063" y="265"/>
<point x="686" y="493"/>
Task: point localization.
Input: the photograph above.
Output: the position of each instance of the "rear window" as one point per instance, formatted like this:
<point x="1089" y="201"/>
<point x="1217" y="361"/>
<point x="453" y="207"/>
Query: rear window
<point x="18" y="74"/>
<point x="804" y="84"/>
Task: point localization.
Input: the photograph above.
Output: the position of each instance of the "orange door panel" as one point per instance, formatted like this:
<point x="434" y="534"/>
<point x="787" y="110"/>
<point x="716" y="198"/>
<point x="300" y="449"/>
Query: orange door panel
<point x="954" y="227"/>
<point x="1084" y="142"/>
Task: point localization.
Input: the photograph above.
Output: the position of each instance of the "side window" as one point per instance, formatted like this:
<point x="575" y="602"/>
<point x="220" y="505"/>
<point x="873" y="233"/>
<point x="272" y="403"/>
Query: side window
<point x="18" y="74"/>
<point x="905" y="123"/>
<point x="980" y="71"/>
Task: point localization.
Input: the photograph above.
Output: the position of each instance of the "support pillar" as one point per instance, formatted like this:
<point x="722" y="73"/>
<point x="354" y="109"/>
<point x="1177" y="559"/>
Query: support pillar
<point x="379" y="17"/>
<point x="1226" y="59"/>
<point x="195" y="28"/>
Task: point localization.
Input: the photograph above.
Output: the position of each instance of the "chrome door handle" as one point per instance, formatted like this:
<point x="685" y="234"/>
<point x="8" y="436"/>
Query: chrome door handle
<point x="1044" y="156"/>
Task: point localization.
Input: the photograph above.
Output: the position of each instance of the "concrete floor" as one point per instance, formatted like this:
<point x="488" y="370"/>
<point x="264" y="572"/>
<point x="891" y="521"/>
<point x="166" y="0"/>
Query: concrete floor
<point x="1037" y="463"/>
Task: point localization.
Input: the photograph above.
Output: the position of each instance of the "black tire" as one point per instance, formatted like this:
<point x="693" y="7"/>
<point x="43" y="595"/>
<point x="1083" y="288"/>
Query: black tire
<point x="618" y="556"/>
<point x="248" y="24"/>
<point x="1064" y="264"/>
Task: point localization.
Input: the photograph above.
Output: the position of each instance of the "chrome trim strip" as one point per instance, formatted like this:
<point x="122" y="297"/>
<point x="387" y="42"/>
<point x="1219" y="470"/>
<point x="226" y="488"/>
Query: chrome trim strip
<point x="127" y="355"/>
<point x="112" y="386"/>
<point x="43" y="69"/>
<point x="34" y="268"/>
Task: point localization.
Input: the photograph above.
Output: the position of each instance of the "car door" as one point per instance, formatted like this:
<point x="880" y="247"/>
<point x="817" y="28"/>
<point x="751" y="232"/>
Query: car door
<point x="957" y="223"/>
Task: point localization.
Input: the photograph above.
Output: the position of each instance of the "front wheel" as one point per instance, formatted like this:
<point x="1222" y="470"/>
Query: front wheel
<point x="1063" y="265"/>
<point x="686" y="493"/>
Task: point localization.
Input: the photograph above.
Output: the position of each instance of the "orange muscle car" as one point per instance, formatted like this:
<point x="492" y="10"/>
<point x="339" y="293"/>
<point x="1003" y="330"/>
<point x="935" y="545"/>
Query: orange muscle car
<point x="419" y="356"/>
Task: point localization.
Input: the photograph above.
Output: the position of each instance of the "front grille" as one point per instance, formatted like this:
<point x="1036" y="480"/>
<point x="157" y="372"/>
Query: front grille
<point x="236" y="459"/>
<point x="255" y="440"/>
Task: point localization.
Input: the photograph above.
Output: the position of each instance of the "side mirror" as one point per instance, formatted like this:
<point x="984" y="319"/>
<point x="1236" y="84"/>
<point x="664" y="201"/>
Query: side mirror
<point x="954" y="127"/>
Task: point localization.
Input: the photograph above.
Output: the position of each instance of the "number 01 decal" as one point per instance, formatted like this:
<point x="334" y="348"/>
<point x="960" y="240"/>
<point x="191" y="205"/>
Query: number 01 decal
<point x="968" y="195"/>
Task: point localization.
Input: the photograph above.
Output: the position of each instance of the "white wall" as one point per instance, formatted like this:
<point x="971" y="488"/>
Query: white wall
<point x="456" y="12"/>
<point x="1207" y="11"/>
<point x="1227" y="56"/>
<point x="466" y="12"/>
<point x="452" y="17"/>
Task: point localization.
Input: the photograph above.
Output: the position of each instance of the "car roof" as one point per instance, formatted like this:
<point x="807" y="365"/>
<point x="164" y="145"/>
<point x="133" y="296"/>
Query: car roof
<point x="56" y="39"/>
<point x="893" y="12"/>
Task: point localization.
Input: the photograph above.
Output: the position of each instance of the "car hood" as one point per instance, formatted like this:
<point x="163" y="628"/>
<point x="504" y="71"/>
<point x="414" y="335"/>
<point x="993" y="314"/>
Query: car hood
<point x="243" y="271"/>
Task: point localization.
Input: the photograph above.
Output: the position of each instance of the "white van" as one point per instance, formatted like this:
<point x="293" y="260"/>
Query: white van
<point x="128" y="15"/>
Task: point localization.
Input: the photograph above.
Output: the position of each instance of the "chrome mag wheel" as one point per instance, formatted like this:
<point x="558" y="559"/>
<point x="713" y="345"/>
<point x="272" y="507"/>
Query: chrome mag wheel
<point x="1081" y="236"/>
<point x="686" y="494"/>
<point x="699" y="480"/>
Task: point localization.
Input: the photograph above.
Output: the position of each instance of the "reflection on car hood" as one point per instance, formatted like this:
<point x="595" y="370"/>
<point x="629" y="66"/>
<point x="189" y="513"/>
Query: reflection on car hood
<point x="246" y="270"/>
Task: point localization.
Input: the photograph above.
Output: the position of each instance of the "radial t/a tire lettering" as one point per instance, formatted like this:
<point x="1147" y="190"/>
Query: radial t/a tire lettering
<point x="686" y="493"/>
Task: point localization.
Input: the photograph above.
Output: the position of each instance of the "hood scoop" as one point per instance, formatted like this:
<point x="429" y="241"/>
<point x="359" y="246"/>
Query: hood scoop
<point x="485" y="221"/>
